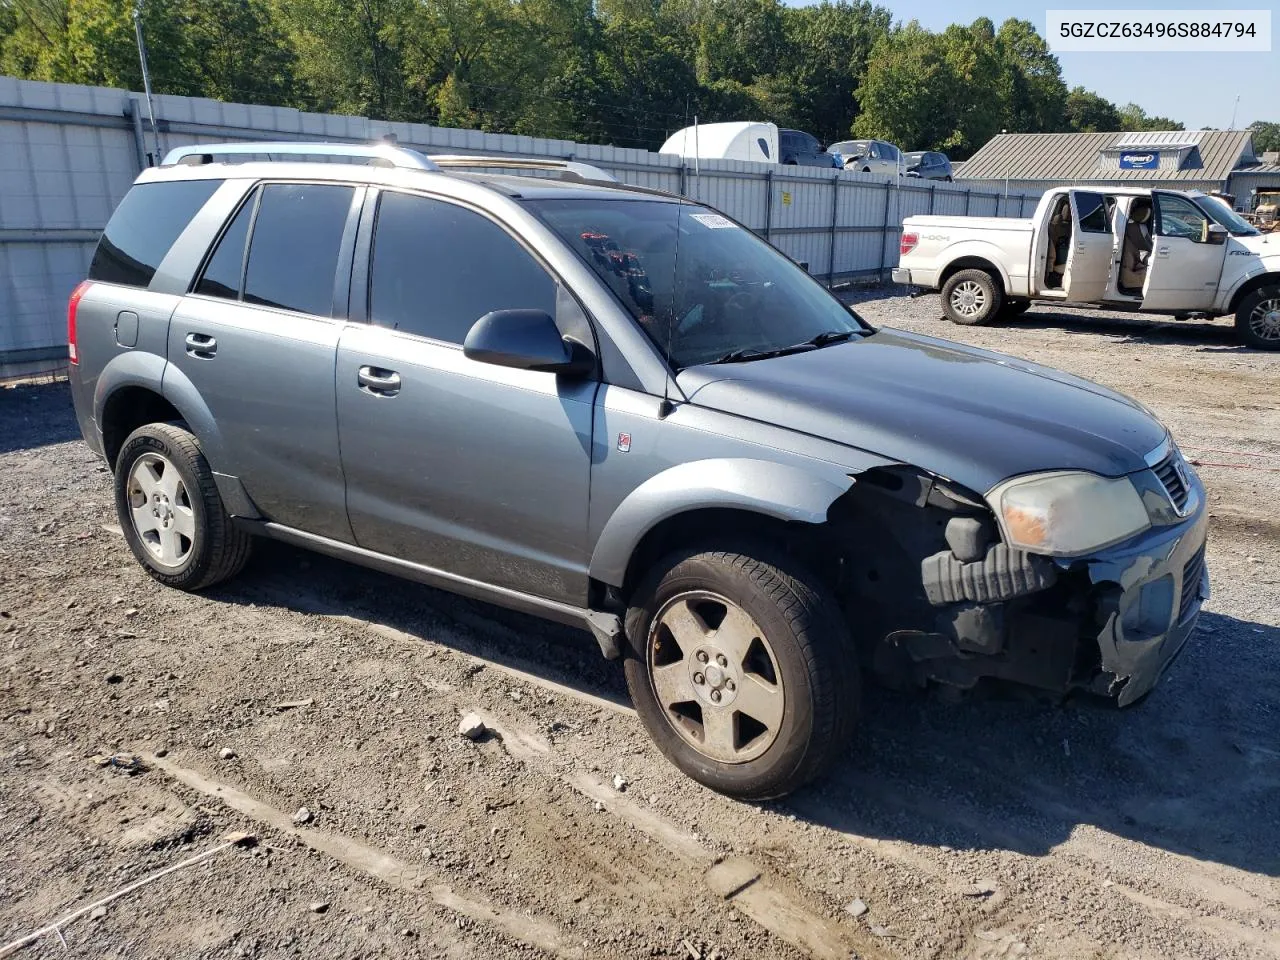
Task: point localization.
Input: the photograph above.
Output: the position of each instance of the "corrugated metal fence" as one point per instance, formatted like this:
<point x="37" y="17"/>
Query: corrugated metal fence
<point x="68" y="154"/>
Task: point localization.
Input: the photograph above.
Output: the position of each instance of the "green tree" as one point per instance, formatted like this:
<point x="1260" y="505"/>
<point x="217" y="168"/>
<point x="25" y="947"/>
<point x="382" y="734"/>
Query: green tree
<point x="1133" y="117"/>
<point x="1087" y="112"/>
<point x="1033" y="93"/>
<point x="1266" y="136"/>
<point x="907" y="89"/>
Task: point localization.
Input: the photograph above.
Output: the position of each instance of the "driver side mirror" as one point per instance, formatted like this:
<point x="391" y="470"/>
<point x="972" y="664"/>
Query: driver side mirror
<point x="526" y="340"/>
<point x="1214" y="233"/>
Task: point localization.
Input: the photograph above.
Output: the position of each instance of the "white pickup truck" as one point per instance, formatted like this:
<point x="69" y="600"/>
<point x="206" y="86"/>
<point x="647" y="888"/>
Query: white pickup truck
<point x="1183" y="253"/>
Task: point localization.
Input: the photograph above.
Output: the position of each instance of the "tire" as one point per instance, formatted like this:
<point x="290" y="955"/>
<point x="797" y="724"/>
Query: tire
<point x="788" y="641"/>
<point x="971" y="297"/>
<point x="1258" y="319"/>
<point x="175" y="523"/>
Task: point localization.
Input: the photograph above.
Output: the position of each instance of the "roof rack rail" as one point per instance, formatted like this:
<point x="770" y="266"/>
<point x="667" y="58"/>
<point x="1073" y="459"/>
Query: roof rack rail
<point x="568" y="169"/>
<point x="379" y="154"/>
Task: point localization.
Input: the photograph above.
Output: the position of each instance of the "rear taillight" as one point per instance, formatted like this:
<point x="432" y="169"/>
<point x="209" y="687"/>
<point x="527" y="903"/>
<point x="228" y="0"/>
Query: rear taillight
<point x="909" y="241"/>
<point x="72" y="306"/>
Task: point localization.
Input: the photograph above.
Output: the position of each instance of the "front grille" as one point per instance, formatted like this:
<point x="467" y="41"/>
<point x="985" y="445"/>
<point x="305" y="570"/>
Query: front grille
<point x="1174" y="480"/>
<point x="1191" y="575"/>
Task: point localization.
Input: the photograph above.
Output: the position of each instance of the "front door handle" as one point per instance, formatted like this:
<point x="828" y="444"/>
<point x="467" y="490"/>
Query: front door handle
<point x="375" y="380"/>
<point x="201" y="345"/>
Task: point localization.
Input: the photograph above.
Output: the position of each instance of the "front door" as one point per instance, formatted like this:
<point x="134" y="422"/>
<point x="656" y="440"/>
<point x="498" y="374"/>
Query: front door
<point x="257" y="336"/>
<point x="1092" y="248"/>
<point x="474" y="469"/>
<point x="1185" y="267"/>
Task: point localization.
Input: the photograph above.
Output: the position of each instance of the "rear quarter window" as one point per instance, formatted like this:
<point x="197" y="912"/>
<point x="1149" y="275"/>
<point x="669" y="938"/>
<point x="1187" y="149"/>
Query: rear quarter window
<point x="143" y="228"/>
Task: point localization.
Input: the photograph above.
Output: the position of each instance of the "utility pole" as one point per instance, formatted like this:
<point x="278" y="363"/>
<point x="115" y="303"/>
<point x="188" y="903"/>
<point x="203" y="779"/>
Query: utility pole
<point x="146" y="80"/>
<point x="1233" y="113"/>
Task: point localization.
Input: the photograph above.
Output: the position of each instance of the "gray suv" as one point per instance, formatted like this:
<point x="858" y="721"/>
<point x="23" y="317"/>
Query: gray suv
<point x="620" y="409"/>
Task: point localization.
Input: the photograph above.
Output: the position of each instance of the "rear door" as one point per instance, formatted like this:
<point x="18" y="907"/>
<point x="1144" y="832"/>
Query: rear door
<point x="1184" y="268"/>
<point x="1092" y="248"/>
<point x="478" y="470"/>
<point x="257" y="336"/>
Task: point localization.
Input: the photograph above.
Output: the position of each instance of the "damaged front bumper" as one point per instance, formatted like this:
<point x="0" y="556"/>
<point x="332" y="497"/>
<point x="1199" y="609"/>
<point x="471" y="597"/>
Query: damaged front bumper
<point x="1110" y="624"/>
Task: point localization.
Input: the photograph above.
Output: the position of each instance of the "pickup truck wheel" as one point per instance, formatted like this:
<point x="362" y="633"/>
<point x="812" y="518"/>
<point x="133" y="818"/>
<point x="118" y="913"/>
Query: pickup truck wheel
<point x="971" y="297"/>
<point x="742" y="670"/>
<point x="170" y="511"/>
<point x="1258" y="319"/>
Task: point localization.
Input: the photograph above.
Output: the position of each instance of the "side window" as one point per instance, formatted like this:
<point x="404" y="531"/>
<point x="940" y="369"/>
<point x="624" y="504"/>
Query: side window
<point x="1093" y="212"/>
<point x="1179" y="217"/>
<point x="144" y="227"/>
<point x="225" y="270"/>
<point x="873" y="150"/>
<point x="437" y="268"/>
<point x="763" y="144"/>
<point x="293" y="254"/>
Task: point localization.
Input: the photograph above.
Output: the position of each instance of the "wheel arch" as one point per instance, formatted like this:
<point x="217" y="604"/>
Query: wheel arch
<point x="1271" y="278"/>
<point x="137" y="388"/>
<point x="975" y="257"/>
<point x="690" y="500"/>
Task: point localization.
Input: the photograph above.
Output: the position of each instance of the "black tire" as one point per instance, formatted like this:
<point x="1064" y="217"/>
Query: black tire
<point x="1260" y="331"/>
<point x="971" y="297"/>
<point x="215" y="549"/>
<point x="1014" y="308"/>
<point x="809" y="653"/>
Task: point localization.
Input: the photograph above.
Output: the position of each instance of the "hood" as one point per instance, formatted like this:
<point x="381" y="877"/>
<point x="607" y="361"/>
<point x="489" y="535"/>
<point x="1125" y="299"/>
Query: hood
<point x="1264" y="244"/>
<point x="969" y="415"/>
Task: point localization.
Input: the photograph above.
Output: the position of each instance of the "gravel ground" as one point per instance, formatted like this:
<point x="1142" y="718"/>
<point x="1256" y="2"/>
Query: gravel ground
<point x="139" y="726"/>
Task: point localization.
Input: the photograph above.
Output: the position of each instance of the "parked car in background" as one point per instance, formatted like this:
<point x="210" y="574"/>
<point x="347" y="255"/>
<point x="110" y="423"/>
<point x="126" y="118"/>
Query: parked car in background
<point x="798" y="148"/>
<point x="927" y="165"/>
<point x="1173" y="252"/>
<point x="735" y="140"/>
<point x="867" y="156"/>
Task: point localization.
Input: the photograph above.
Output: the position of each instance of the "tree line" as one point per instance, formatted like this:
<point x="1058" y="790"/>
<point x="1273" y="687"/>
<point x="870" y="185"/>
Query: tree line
<point x="624" y="72"/>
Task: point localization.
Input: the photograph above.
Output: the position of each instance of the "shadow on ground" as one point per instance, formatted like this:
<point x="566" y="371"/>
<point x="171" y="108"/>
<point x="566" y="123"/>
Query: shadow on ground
<point x="36" y="415"/>
<point x="1194" y="769"/>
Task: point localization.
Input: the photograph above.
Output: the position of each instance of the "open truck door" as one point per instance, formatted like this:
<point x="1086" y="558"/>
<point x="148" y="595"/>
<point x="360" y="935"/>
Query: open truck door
<point x="1188" y="254"/>
<point x="1092" y="253"/>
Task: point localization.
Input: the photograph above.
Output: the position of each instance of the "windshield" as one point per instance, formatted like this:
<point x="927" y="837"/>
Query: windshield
<point x="1223" y="214"/>
<point x="913" y="160"/>
<point x="850" y="148"/>
<point x="728" y="295"/>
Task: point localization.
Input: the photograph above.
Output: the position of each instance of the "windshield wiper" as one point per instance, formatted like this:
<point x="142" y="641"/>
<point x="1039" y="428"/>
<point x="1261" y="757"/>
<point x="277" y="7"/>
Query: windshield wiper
<point x="834" y="336"/>
<point x="742" y="356"/>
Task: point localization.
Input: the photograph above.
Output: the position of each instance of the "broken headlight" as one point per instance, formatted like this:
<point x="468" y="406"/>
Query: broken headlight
<point x="1066" y="514"/>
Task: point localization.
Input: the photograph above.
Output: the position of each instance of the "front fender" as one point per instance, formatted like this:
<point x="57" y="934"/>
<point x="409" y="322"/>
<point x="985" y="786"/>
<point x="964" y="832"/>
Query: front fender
<point x="760" y="486"/>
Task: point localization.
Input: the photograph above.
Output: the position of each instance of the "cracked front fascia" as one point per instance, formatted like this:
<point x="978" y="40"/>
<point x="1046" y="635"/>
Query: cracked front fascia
<point x="1133" y="663"/>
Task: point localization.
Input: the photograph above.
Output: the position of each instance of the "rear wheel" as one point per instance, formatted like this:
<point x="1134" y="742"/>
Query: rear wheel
<point x="742" y="670"/>
<point x="170" y="511"/>
<point x="1258" y="319"/>
<point x="971" y="297"/>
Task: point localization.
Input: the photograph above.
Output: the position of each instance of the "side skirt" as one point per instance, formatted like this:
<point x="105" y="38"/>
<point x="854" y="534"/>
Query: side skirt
<point x="605" y="627"/>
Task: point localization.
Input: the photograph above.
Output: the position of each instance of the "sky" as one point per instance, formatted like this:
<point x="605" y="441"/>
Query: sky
<point x="1198" y="89"/>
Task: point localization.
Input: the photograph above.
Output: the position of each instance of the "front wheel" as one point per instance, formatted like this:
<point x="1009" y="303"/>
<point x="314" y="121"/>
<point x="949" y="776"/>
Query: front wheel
<point x="1258" y="319"/>
<point x="741" y="670"/>
<point x="971" y="297"/>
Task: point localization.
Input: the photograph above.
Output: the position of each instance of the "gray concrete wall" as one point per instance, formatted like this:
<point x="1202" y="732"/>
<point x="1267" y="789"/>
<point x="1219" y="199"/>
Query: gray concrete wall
<point x="69" y="153"/>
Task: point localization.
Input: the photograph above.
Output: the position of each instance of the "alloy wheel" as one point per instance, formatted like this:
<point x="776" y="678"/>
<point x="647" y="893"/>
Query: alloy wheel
<point x="1264" y="319"/>
<point x="715" y="677"/>
<point x="968" y="298"/>
<point x="160" y="509"/>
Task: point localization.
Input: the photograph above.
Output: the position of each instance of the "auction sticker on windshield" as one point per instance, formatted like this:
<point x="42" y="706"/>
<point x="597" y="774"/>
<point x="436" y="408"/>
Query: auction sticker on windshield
<point x="713" y="220"/>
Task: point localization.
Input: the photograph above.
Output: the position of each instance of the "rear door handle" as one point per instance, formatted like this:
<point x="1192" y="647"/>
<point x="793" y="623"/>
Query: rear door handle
<point x="375" y="380"/>
<point x="201" y="345"/>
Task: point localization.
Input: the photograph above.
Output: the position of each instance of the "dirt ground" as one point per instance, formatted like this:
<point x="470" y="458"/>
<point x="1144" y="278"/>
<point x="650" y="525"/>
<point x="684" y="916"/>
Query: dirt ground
<point x="139" y="726"/>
